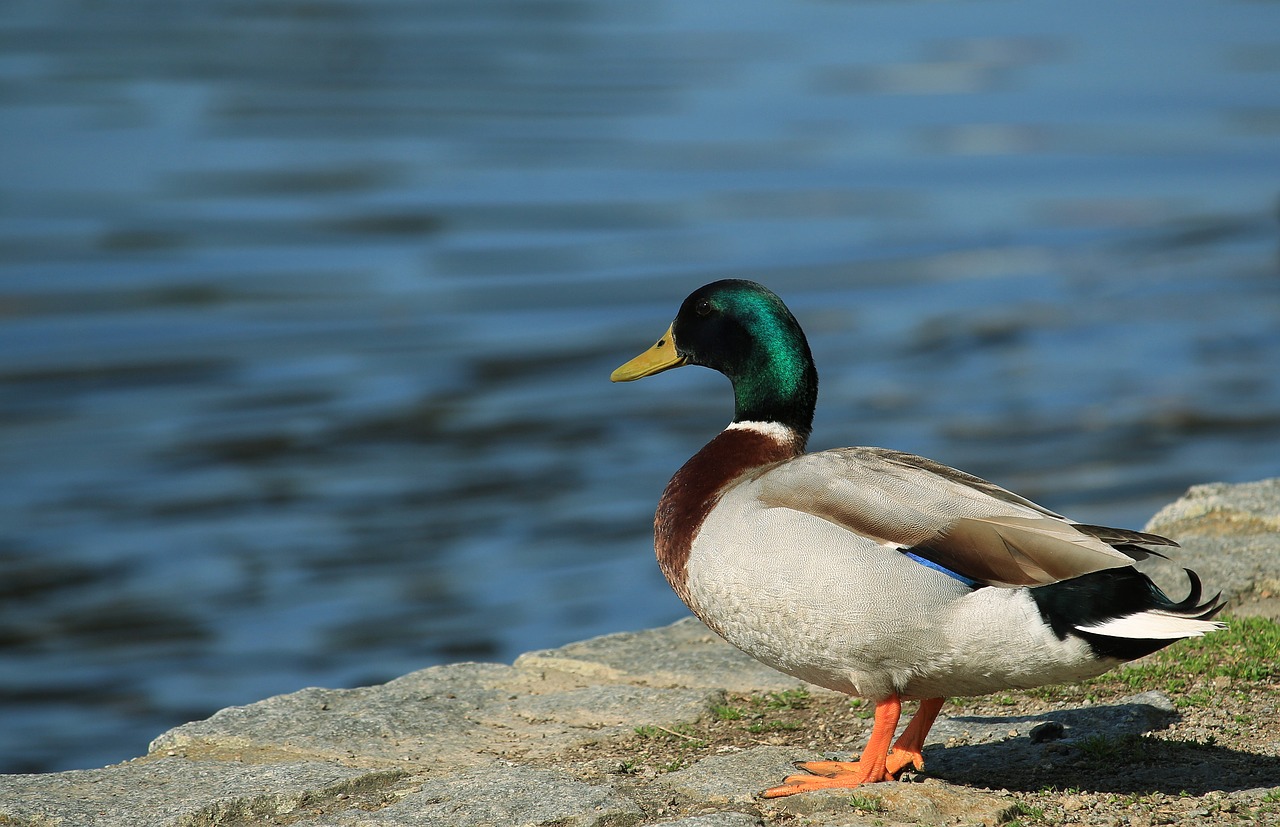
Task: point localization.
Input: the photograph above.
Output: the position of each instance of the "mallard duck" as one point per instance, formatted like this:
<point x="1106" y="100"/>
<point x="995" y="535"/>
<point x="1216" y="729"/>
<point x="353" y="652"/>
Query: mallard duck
<point x="874" y="572"/>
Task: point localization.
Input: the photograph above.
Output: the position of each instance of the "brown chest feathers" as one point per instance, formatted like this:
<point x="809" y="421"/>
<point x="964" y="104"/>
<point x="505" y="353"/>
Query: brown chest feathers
<point x="698" y="485"/>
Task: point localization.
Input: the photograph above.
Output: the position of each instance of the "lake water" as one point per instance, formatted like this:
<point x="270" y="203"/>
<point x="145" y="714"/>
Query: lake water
<point x="307" y="309"/>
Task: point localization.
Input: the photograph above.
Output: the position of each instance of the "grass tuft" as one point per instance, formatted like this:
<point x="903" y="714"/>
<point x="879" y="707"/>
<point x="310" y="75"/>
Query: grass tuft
<point x="866" y="803"/>
<point x="1021" y="814"/>
<point x="787" y="699"/>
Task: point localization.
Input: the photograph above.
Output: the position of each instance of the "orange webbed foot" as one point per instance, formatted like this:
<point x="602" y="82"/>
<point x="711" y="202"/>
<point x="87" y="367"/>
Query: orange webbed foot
<point x="868" y="769"/>
<point x="793" y="784"/>
<point x="877" y="762"/>
<point x="827" y="768"/>
<point x="901" y="760"/>
<point x="898" y="761"/>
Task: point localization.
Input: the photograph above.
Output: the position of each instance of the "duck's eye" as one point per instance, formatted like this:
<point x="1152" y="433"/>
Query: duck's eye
<point x="703" y="307"/>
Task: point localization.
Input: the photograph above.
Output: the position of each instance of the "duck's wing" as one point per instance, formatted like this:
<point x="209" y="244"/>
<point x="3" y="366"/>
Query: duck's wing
<point x="956" y="520"/>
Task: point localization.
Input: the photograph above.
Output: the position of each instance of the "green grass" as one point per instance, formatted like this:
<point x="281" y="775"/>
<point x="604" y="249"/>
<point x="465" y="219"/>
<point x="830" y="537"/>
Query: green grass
<point x="1132" y="748"/>
<point x="680" y="733"/>
<point x="1020" y="814"/>
<point x="1246" y="652"/>
<point x="773" y="726"/>
<point x="787" y="699"/>
<point x="1114" y="749"/>
<point x="761" y="711"/>
<point x="866" y="803"/>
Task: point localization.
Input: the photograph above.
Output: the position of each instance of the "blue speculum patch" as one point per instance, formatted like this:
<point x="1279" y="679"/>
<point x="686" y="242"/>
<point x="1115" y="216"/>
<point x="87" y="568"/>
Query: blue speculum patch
<point x="938" y="567"/>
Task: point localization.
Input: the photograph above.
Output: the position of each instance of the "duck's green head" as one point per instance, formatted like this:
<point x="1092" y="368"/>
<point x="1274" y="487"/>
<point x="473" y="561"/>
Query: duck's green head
<point x="743" y="330"/>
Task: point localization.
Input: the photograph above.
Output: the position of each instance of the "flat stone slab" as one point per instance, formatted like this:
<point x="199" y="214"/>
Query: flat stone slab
<point x="423" y="717"/>
<point x="475" y="744"/>
<point x="959" y="743"/>
<point x="449" y="716"/>
<point x="891" y="802"/>
<point x="174" y="791"/>
<point x="684" y="654"/>
<point x="1133" y="715"/>
<point x="503" y="795"/>
<point x="734" y="777"/>
<point x="728" y="819"/>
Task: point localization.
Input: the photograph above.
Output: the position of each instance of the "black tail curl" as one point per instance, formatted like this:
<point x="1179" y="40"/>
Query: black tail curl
<point x="1099" y="596"/>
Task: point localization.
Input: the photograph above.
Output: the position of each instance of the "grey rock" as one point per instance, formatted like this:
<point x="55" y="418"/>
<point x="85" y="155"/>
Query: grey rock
<point x="448" y="716"/>
<point x="1133" y="715"/>
<point x="605" y="709"/>
<point x="726" y="819"/>
<point x="172" y="791"/>
<point x="1230" y="534"/>
<point x="684" y="654"/>
<point x="930" y="802"/>
<point x="1219" y="508"/>
<point x="735" y="777"/>
<point x="501" y="796"/>
<point x="1006" y="740"/>
<point x="1252" y="795"/>
<point x="424" y="717"/>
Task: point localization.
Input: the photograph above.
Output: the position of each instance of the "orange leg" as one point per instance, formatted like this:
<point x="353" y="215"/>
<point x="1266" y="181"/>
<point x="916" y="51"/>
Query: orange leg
<point x="868" y="769"/>
<point x="877" y="762"/>
<point x="907" y="749"/>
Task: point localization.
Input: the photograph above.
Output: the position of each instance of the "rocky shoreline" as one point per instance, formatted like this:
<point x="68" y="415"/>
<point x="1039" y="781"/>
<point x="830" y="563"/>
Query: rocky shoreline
<point x="536" y="742"/>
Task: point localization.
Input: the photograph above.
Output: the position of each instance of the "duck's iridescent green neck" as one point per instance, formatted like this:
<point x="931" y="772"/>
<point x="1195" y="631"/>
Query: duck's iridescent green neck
<point x="780" y="384"/>
<point x="770" y="365"/>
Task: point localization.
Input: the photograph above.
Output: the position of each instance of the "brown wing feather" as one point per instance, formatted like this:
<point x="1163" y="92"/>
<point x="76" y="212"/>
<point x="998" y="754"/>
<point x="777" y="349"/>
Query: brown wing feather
<point x="1017" y="551"/>
<point x="1123" y="536"/>
<point x="959" y="521"/>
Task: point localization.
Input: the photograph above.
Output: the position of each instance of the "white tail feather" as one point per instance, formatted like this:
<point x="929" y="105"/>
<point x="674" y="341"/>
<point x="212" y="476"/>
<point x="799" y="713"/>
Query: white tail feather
<point x="1152" y="625"/>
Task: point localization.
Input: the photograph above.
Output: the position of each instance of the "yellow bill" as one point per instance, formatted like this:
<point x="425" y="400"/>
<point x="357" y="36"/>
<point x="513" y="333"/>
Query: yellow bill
<point x="656" y="359"/>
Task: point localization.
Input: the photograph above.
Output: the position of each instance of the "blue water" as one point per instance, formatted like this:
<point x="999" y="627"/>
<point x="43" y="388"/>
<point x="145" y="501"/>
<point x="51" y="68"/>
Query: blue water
<point x="307" y="310"/>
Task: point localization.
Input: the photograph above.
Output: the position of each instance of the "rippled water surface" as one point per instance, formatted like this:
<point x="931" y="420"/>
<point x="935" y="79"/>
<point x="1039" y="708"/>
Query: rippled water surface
<point x="307" y="309"/>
